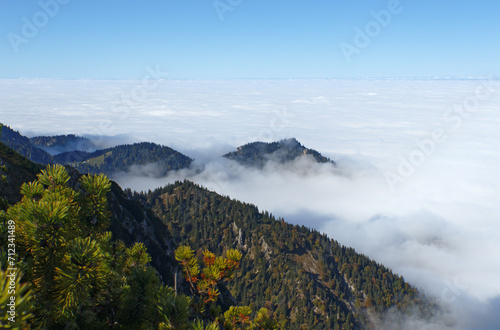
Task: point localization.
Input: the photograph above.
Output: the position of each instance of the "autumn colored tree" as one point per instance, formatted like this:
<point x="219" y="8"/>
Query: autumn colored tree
<point x="203" y="283"/>
<point x="77" y="276"/>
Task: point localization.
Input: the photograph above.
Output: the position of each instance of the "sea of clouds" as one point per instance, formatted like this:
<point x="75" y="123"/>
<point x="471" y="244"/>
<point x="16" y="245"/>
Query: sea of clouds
<point x="417" y="182"/>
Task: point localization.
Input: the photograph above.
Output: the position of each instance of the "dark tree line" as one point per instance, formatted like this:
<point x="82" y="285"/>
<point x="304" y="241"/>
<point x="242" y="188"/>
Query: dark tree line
<point x="307" y="279"/>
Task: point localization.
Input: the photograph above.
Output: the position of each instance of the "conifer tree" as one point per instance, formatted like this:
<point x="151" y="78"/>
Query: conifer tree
<point x="18" y="295"/>
<point x="81" y="278"/>
<point x="78" y="277"/>
<point x="204" y="282"/>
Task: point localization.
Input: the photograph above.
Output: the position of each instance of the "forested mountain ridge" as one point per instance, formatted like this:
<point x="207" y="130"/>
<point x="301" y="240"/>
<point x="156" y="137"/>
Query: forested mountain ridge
<point x="120" y="158"/>
<point x="62" y="143"/>
<point x="16" y="170"/>
<point x="100" y="282"/>
<point x="106" y="161"/>
<point x="22" y="145"/>
<point x="308" y="280"/>
<point x="130" y="220"/>
<point x="258" y="153"/>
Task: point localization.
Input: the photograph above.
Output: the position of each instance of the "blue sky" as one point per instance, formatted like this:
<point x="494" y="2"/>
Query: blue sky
<point x="256" y="39"/>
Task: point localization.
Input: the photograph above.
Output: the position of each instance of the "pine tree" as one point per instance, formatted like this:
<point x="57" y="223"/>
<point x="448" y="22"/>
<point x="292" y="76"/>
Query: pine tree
<point x="204" y="282"/>
<point x="15" y="301"/>
<point x="80" y="276"/>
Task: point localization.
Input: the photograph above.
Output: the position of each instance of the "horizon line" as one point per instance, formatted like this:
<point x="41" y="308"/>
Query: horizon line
<point x="280" y="79"/>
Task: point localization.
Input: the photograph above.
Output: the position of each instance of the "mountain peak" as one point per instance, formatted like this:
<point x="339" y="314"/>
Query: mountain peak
<point x="257" y="154"/>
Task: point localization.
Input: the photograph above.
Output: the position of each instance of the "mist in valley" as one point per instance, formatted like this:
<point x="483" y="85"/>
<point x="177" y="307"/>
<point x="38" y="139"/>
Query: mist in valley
<point x="415" y="187"/>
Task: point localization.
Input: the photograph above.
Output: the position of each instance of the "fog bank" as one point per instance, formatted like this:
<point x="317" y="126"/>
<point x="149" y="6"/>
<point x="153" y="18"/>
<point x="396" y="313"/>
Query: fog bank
<point x="417" y="182"/>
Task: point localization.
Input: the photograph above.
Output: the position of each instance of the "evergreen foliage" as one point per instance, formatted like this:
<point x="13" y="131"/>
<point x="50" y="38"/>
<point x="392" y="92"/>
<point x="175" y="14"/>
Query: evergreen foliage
<point x="77" y="277"/>
<point x="104" y="161"/>
<point x="204" y="282"/>
<point x="258" y="153"/>
<point x="304" y="278"/>
<point x="22" y="296"/>
<point x="14" y="171"/>
<point x="82" y="278"/>
<point x="62" y="143"/>
<point x="22" y="145"/>
<point x="120" y="158"/>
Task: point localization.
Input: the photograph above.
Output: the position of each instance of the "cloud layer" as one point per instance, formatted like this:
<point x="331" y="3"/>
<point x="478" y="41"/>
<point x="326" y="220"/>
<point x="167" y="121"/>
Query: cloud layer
<point x="417" y="182"/>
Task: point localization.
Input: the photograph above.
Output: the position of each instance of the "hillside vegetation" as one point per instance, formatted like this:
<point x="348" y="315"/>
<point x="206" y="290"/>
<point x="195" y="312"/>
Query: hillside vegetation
<point x="22" y="145"/>
<point x="106" y="161"/>
<point x="305" y="279"/>
<point x="257" y="154"/>
<point x="308" y="280"/>
<point x="62" y="143"/>
<point x="120" y="158"/>
<point x="70" y="273"/>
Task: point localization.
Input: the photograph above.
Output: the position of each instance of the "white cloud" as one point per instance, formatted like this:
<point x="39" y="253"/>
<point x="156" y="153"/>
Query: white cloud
<point x="439" y="227"/>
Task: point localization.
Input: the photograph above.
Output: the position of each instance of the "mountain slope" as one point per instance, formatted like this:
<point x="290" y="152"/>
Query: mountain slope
<point x="120" y="158"/>
<point x="307" y="279"/>
<point x="18" y="170"/>
<point x="107" y="161"/>
<point x="130" y="220"/>
<point x="62" y="143"/>
<point x="258" y="153"/>
<point x="22" y="145"/>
